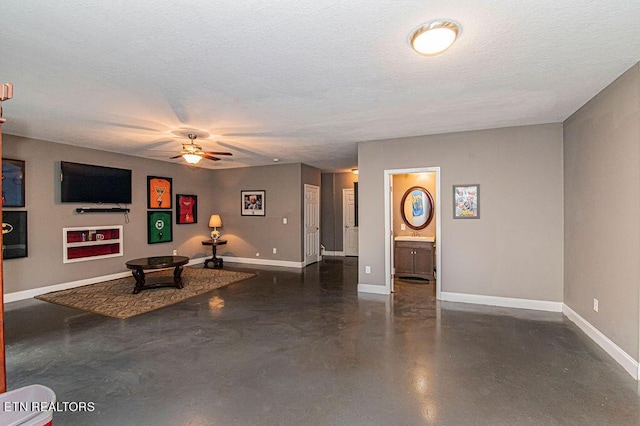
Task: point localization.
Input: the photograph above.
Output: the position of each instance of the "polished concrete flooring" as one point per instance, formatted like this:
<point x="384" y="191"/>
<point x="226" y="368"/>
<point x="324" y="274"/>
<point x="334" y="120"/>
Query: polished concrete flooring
<point x="304" y="348"/>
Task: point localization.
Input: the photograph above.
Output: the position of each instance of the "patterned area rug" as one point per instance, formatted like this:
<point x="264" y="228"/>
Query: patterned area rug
<point x="114" y="298"/>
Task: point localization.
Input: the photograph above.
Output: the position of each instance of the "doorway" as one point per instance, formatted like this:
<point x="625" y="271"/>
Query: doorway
<point x="392" y="210"/>
<point x="349" y="224"/>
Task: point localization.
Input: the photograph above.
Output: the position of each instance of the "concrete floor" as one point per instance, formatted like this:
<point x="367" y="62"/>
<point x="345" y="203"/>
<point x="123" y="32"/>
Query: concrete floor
<point x="303" y="347"/>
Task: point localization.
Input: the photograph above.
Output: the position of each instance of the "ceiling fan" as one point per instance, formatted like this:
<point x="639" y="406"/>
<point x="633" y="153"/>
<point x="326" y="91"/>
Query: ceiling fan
<point x="193" y="153"/>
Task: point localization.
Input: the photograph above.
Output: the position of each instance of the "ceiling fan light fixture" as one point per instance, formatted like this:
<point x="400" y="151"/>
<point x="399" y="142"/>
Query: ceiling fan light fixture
<point x="434" y="37"/>
<point x="192" y="158"/>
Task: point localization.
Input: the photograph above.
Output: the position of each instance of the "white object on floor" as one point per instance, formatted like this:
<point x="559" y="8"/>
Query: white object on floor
<point x="19" y="399"/>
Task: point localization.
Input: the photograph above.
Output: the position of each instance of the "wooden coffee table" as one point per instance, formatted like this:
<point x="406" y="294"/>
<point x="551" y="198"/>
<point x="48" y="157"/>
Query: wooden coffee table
<point x="138" y="267"/>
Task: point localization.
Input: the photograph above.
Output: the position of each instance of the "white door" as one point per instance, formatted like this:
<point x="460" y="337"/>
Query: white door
<point x="311" y="224"/>
<point x="350" y="234"/>
<point x="391" y="237"/>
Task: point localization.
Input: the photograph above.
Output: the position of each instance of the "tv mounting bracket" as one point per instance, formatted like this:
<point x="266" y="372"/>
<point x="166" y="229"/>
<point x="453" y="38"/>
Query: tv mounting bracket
<point x="82" y="210"/>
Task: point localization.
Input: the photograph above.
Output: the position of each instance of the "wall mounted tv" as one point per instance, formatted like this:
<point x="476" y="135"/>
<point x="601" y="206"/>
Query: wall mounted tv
<point x="86" y="183"/>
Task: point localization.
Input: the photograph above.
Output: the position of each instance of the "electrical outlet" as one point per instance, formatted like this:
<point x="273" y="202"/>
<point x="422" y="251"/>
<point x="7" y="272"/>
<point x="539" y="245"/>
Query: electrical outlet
<point x="275" y="250"/>
<point x="284" y="220"/>
<point x="403" y="227"/>
<point x="175" y="252"/>
<point x="595" y="305"/>
<point x="367" y="269"/>
<point x="257" y="254"/>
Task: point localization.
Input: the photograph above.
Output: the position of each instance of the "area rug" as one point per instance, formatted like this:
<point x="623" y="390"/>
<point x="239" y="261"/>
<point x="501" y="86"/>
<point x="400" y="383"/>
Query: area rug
<point x="114" y="298"/>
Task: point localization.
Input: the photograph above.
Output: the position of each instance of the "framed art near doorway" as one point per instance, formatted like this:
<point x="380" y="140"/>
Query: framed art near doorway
<point x="466" y="201"/>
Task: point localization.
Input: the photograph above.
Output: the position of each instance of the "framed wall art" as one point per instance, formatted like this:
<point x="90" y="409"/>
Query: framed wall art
<point x="186" y="209"/>
<point x="12" y="183"/>
<point x="159" y="192"/>
<point x="253" y="203"/>
<point x="14" y="234"/>
<point x="159" y="227"/>
<point x="466" y="201"/>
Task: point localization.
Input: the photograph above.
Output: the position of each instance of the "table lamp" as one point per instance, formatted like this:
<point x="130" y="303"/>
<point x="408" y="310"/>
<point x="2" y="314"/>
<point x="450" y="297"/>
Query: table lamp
<point x="215" y="222"/>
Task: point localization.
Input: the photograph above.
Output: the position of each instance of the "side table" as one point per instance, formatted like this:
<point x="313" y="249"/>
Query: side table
<point x="217" y="261"/>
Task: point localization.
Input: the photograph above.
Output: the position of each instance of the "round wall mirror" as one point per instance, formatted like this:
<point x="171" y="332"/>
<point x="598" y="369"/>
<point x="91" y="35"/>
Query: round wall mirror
<point x="416" y="207"/>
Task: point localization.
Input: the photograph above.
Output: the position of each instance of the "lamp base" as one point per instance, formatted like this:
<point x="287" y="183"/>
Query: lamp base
<point x="215" y="234"/>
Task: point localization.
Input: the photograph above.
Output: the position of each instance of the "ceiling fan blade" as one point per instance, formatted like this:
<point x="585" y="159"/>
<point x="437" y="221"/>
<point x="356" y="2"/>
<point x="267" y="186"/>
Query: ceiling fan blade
<point x="156" y="145"/>
<point x="175" y="156"/>
<point x="237" y="147"/>
<point x="217" y="153"/>
<point x="208" y="157"/>
<point x="179" y="109"/>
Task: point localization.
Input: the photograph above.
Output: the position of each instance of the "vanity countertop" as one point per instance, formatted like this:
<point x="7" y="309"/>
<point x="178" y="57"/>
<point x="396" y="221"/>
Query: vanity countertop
<point x="414" y="238"/>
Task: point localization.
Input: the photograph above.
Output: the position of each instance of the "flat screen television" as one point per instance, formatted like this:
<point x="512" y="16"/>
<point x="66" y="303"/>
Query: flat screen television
<point x="87" y="183"/>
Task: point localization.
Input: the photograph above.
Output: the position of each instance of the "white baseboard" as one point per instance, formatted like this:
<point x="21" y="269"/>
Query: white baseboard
<point x="371" y="288"/>
<point x="333" y="253"/>
<point x="505" y="302"/>
<point x="197" y="261"/>
<point x="28" y="294"/>
<point x="267" y="262"/>
<point x="624" y="359"/>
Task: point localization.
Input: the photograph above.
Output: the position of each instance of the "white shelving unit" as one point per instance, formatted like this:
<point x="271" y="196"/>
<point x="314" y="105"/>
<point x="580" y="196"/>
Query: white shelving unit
<point x="91" y="242"/>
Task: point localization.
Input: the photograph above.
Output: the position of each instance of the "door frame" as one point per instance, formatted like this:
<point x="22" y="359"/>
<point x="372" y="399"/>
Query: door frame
<point x="344" y="220"/>
<point x="388" y="225"/>
<point x="304" y="226"/>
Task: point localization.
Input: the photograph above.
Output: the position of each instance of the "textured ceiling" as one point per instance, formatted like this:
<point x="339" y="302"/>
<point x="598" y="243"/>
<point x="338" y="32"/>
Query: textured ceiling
<point x="302" y="81"/>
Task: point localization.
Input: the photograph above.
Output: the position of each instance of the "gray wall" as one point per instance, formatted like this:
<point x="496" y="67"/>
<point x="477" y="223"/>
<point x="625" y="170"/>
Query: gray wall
<point x="218" y="191"/>
<point x="331" y="208"/>
<point x="515" y="249"/>
<point x="602" y="198"/>
<point x="327" y="212"/>
<point x="47" y="216"/>
<point x="249" y="235"/>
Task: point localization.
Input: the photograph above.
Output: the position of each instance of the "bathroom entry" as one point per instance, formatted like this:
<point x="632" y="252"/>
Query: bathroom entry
<point x="413" y="223"/>
<point x="417" y="206"/>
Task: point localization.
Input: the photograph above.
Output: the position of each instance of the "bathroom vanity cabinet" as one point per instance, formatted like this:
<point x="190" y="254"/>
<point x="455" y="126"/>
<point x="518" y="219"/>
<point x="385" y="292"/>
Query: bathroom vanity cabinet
<point x="414" y="259"/>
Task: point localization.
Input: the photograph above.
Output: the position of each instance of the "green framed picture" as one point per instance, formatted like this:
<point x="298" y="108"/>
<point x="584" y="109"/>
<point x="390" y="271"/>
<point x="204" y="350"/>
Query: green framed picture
<point x="159" y="227"/>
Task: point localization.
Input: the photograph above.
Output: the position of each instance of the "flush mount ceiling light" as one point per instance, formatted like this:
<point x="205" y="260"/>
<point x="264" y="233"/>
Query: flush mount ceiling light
<point x="434" y="37"/>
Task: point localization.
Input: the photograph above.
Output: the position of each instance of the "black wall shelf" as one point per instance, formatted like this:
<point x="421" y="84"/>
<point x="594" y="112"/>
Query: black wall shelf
<point x="82" y="210"/>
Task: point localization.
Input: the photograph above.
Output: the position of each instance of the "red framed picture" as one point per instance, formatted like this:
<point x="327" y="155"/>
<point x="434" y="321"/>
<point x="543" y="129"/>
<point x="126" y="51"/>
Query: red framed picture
<point x="186" y="209"/>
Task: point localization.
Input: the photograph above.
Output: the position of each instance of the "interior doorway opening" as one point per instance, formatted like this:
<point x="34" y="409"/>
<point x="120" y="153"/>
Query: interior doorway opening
<point x="403" y="186"/>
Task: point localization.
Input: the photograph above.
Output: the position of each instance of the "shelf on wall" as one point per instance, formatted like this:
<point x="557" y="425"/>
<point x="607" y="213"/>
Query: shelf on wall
<point x="91" y="242"/>
<point x="102" y="210"/>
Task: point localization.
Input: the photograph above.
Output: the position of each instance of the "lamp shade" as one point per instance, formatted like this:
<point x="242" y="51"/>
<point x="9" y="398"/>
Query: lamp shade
<point x="215" y="221"/>
<point x="192" y="158"/>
